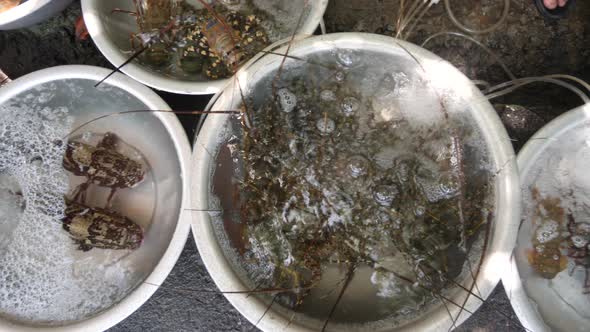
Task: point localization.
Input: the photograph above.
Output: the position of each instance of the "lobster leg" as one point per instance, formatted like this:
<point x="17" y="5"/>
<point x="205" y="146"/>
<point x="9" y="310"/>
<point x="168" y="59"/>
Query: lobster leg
<point x="109" y="200"/>
<point x="80" y="192"/>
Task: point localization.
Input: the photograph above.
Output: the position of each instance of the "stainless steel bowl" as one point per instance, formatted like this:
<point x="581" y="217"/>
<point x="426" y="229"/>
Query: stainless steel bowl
<point x="30" y="13"/>
<point x="161" y="140"/>
<point x="389" y="56"/>
<point x="557" y="304"/>
<point x="111" y="34"/>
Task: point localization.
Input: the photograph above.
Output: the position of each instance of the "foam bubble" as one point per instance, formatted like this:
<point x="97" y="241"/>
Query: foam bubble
<point x="358" y="166"/>
<point x="548" y="231"/>
<point x="347" y="57"/>
<point x="579" y="241"/>
<point x="44" y="279"/>
<point x="384" y="195"/>
<point x="387" y="284"/>
<point x="325" y="126"/>
<point x="287" y="100"/>
<point x="328" y="95"/>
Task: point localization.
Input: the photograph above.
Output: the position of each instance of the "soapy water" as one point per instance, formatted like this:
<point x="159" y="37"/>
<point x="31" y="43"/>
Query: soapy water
<point x="44" y="278"/>
<point x="556" y="185"/>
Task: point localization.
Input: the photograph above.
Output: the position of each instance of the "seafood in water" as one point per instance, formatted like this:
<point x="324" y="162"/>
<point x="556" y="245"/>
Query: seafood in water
<point x="314" y="194"/>
<point x="100" y="228"/>
<point x="102" y="165"/>
<point x="578" y="248"/>
<point x="546" y="257"/>
<point x="155" y="21"/>
<point x="8" y="4"/>
<point x="212" y="41"/>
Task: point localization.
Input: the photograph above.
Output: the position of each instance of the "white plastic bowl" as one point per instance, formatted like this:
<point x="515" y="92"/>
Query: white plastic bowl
<point x="556" y="136"/>
<point x="30" y="13"/>
<point x="111" y="32"/>
<point x="163" y="142"/>
<point x="460" y="95"/>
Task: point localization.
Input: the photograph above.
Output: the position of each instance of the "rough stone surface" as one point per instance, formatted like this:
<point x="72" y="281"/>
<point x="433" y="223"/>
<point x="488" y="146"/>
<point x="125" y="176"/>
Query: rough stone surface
<point x="47" y="44"/>
<point x="528" y="44"/>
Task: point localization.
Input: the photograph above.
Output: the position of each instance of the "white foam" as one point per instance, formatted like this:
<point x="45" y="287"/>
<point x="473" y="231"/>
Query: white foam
<point x="44" y="279"/>
<point x="387" y="283"/>
<point x="287" y="100"/>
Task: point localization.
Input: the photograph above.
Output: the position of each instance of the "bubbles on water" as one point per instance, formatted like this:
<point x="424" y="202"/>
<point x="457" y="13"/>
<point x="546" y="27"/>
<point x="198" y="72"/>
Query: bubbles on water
<point x="583" y="228"/>
<point x="347" y="57"/>
<point x="287" y="100"/>
<point x="419" y="211"/>
<point x="393" y="85"/>
<point x="384" y="195"/>
<point x="383" y="217"/>
<point x="579" y="241"/>
<point x="350" y="105"/>
<point x="45" y="97"/>
<point x="326" y="126"/>
<point x="446" y="187"/>
<point x="340" y="76"/>
<point x="387" y="284"/>
<point x="328" y="95"/>
<point x="547" y="231"/>
<point x="86" y="137"/>
<point x="435" y="184"/>
<point x="30" y="156"/>
<point x="37" y="283"/>
<point x="12" y="205"/>
<point x="358" y="166"/>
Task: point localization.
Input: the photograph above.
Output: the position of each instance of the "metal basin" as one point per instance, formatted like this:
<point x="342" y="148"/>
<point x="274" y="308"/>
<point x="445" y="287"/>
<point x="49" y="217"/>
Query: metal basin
<point x="551" y="169"/>
<point x="111" y="34"/>
<point x="30" y="13"/>
<point x="365" y="61"/>
<point x="108" y="284"/>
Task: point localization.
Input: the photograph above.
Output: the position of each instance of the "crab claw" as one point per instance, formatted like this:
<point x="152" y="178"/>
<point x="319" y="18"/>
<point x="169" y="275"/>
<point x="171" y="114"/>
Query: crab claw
<point x="81" y="30"/>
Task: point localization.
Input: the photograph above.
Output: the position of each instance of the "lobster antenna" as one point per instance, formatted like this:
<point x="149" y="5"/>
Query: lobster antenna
<point x="131" y="58"/>
<point x="148" y="111"/>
